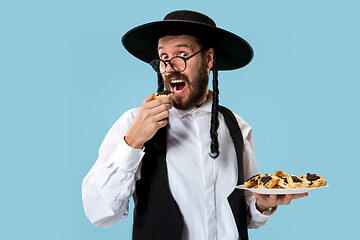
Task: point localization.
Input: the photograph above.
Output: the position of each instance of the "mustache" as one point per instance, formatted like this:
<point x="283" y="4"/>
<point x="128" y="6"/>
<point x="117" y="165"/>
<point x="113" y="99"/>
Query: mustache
<point x="177" y="76"/>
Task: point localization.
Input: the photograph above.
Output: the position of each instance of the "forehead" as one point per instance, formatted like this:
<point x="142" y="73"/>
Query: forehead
<point x="177" y="41"/>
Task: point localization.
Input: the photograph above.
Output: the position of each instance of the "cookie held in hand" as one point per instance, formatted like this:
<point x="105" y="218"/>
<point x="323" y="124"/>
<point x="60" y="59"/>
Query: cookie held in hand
<point x="166" y="93"/>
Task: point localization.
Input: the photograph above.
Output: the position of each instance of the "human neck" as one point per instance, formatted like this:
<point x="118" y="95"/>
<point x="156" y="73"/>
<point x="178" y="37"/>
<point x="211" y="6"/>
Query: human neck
<point x="205" y="98"/>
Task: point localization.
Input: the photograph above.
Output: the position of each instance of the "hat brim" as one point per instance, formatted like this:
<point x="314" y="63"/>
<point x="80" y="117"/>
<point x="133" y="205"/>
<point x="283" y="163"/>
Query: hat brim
<point x="231" y="50"/>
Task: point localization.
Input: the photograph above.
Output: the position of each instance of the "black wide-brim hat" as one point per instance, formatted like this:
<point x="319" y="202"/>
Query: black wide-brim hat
<point x="232" y="51"/>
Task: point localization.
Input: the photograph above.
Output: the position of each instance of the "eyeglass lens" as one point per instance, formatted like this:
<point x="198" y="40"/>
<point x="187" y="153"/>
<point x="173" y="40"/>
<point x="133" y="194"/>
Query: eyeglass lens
<point x="177" y="63"/>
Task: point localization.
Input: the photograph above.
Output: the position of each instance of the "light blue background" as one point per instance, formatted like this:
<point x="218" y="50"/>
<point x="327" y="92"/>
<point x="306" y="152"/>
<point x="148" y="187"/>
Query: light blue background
<point x="65" y="79"/>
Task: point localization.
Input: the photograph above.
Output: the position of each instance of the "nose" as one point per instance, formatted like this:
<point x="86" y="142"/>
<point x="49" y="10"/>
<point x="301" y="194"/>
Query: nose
<point x="169" y="69"/>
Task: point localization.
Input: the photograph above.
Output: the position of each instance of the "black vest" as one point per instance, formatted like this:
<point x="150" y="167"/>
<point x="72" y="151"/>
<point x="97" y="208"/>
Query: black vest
<point x="156" y="215"/>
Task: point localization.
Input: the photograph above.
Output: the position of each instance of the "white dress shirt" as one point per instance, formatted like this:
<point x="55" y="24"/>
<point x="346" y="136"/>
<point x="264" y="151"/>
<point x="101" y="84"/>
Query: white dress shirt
<point x="199" y="184"/>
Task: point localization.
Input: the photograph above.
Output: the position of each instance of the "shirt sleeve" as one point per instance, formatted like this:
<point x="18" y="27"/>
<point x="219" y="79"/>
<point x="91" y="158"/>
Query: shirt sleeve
<point x="110" y="183"/>
<point x="256" y="219"/>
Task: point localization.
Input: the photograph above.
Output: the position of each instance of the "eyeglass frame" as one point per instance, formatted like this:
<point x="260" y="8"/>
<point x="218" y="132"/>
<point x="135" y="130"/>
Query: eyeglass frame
<point x="166" y="62"/>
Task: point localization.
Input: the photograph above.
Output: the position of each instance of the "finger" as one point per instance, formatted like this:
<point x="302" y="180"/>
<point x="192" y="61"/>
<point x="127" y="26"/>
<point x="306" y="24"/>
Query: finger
<point x="266" y="197"/>
<point x="261" y="197"/>
<point x="257" y="195"/>
<point x="162" y="123"/>
<point x="273" y="199"/>
<point x="165" y="100"/>
<point x="296" y="196"/>
<point x="161" y="115"/>
<point x="266" y="201"/>
<point x="158" y="102"/>
<point x="286" y="200"/>
<point x="160" y="109"/>
<point x="262" y="200"/>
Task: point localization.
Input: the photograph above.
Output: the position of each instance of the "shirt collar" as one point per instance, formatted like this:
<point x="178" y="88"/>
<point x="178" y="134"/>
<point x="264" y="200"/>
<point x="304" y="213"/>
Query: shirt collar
<point x="205" y="107"/>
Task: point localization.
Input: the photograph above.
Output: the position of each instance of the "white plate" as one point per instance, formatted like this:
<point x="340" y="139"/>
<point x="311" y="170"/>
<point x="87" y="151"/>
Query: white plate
<point x="279" y="191"/>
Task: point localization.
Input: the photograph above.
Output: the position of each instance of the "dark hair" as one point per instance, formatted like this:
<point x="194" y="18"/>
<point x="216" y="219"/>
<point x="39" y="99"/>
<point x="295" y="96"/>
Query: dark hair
<point x="214" y="146"/>
<point x="160" y="83"/>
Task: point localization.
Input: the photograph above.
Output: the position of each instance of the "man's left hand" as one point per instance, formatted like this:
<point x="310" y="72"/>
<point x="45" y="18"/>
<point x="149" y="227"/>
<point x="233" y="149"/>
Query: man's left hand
<point x="264" y="202"/>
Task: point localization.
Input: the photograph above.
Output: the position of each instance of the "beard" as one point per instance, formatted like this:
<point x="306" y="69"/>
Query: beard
<point x="197" y="88"/>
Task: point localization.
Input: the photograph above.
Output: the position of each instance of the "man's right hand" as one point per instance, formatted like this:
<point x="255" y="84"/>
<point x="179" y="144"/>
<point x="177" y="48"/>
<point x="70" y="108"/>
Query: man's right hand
<point x="152" y="116"/>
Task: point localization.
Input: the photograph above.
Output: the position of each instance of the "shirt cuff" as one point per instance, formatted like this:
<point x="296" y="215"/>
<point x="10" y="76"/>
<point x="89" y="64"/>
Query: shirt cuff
<point x="258" y="217"/>
<point x="126" y="157"/>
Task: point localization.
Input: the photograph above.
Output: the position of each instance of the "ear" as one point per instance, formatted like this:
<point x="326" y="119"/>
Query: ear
<point x="209" y="59"/>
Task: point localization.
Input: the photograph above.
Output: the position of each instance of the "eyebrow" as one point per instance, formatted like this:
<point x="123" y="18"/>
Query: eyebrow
<point x="178" y="46"/>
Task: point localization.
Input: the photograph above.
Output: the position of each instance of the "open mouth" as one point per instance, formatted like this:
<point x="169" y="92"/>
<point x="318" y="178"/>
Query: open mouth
<point x="177" y="86"/>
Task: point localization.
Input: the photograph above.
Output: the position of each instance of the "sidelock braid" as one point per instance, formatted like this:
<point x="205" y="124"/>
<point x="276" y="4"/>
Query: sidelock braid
<point x="160" y="83"/>
<point x="214" y="147"/>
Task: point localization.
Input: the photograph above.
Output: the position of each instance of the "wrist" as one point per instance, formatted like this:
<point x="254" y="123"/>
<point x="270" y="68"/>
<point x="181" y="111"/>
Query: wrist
<point x="132" y="142"/>
<point x="261" y="209"/>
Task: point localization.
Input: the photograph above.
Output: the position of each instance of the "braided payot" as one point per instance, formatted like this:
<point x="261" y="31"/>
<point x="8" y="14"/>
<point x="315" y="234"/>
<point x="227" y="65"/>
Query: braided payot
<point x="214" y="146"/>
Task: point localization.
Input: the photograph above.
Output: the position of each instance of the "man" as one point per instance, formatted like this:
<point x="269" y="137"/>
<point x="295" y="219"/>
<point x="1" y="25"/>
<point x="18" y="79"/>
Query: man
<point x="180" y="158"/>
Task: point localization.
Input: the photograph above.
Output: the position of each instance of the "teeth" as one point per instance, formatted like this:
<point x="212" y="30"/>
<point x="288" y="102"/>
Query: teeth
<point x="176" y="90"/>
<point x="176" y="81"/>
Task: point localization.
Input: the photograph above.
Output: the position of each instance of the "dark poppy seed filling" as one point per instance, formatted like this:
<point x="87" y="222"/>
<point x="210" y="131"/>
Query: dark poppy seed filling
<point x="296" y="179"/>
<point x="264" y="180"/>
<point x="253" y="178"/>
<point x="165" y="92"/>
<point x="285" y="179"/>
<point x="312" y="177"/>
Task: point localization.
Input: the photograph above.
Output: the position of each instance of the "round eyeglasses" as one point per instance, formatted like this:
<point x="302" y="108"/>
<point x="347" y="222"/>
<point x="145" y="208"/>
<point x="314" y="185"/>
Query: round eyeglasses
<point x="177" y="63"/>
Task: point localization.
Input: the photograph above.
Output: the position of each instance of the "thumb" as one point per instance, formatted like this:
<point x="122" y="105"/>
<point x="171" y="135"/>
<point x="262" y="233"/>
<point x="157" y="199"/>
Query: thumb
<point x="149" y="98"/>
